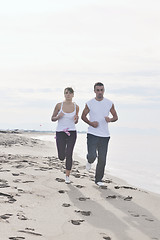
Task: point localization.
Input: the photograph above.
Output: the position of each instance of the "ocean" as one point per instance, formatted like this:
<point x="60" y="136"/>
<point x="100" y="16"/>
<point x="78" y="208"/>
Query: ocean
<point x="133" y="158"/>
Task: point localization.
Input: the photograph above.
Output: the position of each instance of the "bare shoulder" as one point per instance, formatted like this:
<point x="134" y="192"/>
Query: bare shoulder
<point x="58" y="105"/>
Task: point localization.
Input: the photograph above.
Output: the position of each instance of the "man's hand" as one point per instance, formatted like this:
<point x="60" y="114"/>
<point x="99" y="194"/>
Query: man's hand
<point x="108" y="119"/>
<point x="94" y="124"/>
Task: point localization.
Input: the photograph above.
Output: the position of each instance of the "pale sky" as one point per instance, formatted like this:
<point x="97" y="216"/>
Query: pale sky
<point x="47" y="45"/>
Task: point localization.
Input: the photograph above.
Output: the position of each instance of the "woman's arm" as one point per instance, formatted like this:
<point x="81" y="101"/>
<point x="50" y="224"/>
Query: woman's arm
<point x="55" y="115"/>
<point x="76" y="117"/>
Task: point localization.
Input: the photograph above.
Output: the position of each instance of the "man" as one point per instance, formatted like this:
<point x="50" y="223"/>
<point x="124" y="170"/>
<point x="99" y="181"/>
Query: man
<point x="98" y="136"/>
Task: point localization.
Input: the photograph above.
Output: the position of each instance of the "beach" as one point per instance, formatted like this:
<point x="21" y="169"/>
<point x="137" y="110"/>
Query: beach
<point x="36" y="203"/>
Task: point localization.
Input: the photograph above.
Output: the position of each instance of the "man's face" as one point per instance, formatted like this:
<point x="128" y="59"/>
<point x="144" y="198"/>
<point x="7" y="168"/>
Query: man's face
<point x="99" y="90"/>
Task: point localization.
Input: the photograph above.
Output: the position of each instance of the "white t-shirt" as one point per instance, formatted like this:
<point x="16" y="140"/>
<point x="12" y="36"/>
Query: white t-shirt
<point x="67" y="121"/>
<point x="98" y="111"/>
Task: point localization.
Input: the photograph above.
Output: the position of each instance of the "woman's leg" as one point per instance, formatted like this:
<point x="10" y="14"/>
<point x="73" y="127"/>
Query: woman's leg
<point x="67" y="172"/>
<point x="61" y="145"/>
<point x="69" y="150"/>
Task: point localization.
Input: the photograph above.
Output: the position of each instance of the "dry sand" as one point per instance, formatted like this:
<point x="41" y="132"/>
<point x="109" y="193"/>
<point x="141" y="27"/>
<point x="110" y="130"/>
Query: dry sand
<point x="35" y="202"/>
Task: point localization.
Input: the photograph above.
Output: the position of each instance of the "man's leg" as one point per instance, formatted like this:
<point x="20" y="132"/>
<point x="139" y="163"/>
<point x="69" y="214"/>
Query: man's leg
<point x="102" y="155"/>
<point x="92" y="142"/>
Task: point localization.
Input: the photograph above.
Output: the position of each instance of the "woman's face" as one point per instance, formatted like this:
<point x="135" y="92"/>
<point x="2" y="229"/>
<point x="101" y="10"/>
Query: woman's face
<point x="68" y="95"/>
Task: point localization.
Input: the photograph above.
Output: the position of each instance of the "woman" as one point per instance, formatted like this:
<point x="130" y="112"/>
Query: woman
<point x="66" y="113"/>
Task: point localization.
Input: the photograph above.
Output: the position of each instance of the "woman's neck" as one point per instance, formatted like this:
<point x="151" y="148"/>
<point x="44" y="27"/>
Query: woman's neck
<point x="68" y="101"/>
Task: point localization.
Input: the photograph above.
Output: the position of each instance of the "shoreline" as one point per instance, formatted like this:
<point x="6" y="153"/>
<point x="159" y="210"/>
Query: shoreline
<point x="150" y="187"/>
<point x="37" y="204"/>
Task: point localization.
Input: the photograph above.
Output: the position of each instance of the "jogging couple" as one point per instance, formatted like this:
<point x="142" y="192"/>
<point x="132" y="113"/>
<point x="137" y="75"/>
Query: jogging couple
<point x="96" y="115"/>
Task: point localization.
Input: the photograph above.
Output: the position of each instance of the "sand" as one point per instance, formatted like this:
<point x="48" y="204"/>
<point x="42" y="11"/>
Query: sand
<point x="36" y="203"/>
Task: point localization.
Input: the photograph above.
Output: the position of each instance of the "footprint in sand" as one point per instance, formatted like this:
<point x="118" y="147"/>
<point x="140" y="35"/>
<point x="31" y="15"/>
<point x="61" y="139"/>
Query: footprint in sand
<point x="76" y="222"/>
<point x="6" y="217"/>
<point x="103" y="187"/>
<point x="107" y="238"/>
<point x="7" y="170"/>
<point x="111" y="197"/>
<point x="3" y="183"/>
<point x="135" y="215"/>
<point x="125" y="187"/>
<point x="10" y="197"/>
<point x="79" y="186"/>
<point x="62" y="191"/>
<point x="19" y="166"/>
<point x="76" y="163"/>
<point x="66" y="205"/>
<point x="76" y="175"/>
<point x="84" y="213"/>
<point x="20" y="190"/>
<point x="108" y="181"/>
<point x="17" y="181"/>
<point x="15" y="174"/>
<point x="29" y="181"/>
<point x="83" y="198"/>
<point x="21" y="216"/>
<point x="149" y="219"/>
<point x="23" y="206"/>
<point x="30" y="231"/>
<point x="16" y="238"/>
<point x="129" y="198"/>
<point x="60" y="180"/>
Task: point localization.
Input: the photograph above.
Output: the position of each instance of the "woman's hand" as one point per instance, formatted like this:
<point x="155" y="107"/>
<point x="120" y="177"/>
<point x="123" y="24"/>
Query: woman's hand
<point x="60" y="115"/>
<point x="76" y="119"/>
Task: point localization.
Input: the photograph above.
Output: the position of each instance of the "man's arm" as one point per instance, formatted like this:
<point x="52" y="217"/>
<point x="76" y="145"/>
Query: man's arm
<point x="114" y="114"/>
<point x="86" y="120"/>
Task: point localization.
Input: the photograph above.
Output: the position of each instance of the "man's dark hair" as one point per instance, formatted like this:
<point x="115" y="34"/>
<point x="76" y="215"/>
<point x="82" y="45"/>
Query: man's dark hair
<point x="69" y="89"/>
<point x="98" y="84"/>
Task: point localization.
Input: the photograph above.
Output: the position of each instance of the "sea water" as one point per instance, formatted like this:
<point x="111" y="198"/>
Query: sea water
<point x="133" y="158"/>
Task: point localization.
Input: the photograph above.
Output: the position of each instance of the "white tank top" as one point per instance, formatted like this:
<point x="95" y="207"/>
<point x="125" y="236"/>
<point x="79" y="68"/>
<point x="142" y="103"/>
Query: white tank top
<point x="99" y="110"/>
<point x="67" y="121"/>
